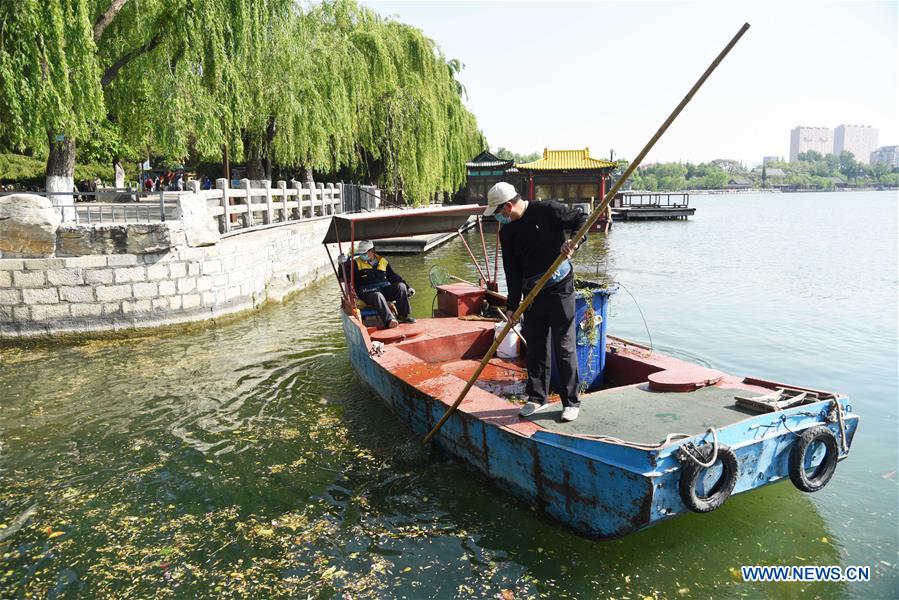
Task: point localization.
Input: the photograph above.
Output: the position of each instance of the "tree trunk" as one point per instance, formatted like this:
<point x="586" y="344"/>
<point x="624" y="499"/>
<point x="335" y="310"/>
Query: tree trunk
<point x="60" y="175"/>
<point x="119" y="172"/>
<point x="255" y="170"/>
<point x="269" y="141"/>
<point x="226" y="166"/>
<point x="307" y="175"/>
<point x="253" y="154"/>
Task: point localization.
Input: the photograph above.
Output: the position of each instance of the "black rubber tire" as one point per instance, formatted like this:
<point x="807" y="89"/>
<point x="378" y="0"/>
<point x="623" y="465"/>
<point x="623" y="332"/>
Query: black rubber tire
<point x="828" y="465"/>
<point x="690" y="473"/>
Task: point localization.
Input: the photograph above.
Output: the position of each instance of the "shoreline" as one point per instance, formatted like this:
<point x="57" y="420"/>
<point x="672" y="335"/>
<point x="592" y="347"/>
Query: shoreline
<point x="718" y="192"/>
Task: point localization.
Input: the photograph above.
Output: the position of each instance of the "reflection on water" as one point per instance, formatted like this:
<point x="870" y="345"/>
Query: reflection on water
<point x="248" y="460"/>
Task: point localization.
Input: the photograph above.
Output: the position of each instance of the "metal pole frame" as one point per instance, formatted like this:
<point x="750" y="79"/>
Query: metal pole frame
<point x="484" y="246"/>
<point x="496" y="259"/>
<point x="471" y="254"/>
<point x="336" y="274"/>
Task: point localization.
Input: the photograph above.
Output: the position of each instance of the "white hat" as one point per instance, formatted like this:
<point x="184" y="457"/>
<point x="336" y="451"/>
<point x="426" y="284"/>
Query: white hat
<point x="364" y="246"/>
<point x="498" y="195"/>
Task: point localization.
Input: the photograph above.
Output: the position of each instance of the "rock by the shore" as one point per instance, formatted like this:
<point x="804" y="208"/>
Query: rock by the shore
<point x="114" y="238"/>
<point x="28" y="225"/>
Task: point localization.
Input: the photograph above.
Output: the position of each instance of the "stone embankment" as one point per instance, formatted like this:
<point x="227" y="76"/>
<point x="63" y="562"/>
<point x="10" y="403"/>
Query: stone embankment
<point x="72" y="278"/>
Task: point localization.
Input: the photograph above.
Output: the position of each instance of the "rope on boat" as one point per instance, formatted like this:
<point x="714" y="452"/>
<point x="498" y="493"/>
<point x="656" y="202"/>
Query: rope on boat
<point x="839" y="410"/>
<point x="687" y="451"/>
<point x="613" y="440"/>
<point x="640" y="310"/>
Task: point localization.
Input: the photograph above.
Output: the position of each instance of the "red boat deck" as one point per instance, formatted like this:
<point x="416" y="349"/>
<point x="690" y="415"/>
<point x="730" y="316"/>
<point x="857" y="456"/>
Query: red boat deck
<point x="438" y="355"/>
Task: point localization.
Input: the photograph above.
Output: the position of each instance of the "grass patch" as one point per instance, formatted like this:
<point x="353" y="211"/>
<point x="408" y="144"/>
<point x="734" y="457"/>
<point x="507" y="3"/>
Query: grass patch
<point x="30" y="171"/>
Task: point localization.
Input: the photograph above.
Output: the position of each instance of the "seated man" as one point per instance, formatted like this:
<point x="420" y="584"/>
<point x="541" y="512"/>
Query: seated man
<point x="376" y="284"/>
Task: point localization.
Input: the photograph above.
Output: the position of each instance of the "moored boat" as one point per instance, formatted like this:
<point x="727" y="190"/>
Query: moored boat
<point x="657" y="436"/>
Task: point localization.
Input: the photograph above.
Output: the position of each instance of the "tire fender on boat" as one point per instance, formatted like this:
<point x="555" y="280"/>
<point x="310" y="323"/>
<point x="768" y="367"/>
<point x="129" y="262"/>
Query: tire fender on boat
<point x="799" y="452"/>
<point x="691" y="472"/>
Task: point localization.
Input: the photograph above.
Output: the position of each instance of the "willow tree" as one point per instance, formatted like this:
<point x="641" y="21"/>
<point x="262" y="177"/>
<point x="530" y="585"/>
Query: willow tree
<point x="332" y="87"/>
<point x="417" y="127"/>
<point x="348" y="90"/>
<point x="159" y="75"/>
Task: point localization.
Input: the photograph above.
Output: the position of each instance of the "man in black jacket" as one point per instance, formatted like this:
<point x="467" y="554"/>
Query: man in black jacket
<point x="532" y="236"/>
<point x="376" y="283"/>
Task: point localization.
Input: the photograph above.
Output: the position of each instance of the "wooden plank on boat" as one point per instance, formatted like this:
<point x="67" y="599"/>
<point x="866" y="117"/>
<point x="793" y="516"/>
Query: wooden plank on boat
<point x="779" y="399"/>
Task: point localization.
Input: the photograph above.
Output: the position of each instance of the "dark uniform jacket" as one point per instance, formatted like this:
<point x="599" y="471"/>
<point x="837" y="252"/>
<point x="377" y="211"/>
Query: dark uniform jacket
<point x="367" y="278"/>
<point x="533" y="242"/>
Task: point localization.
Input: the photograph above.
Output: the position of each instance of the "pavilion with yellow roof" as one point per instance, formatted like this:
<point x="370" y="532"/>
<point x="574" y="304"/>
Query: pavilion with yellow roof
<point x="571" y="176"/>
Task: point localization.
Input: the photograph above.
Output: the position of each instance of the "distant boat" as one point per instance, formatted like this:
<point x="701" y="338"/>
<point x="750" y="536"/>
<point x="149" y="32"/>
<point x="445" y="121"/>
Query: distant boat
<point x="649" y="423"/>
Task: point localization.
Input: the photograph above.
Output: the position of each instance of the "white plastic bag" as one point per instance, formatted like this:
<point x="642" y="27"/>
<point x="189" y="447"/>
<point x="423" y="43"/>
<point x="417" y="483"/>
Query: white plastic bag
<point x="509" y="346"/>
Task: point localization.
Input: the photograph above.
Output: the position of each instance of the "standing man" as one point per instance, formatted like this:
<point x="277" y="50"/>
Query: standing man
<point x="532" y="236"/>
<point x="376" y="284"/>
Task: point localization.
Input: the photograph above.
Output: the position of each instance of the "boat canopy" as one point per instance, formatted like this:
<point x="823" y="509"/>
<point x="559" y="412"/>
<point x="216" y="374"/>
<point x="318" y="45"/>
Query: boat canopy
<point x="399" y="223"/>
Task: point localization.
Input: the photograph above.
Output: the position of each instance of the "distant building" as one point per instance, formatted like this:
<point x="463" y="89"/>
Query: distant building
<point x="739" y="183"/>
<point x="572" y="176"/>
<point x="767" y="160"/>
<point x="770" y="172"/>
<point x="886" y="155"/>
<point x="803" y="139"/>
<point x="484" y="171"/>
<point x="861" y="140"/>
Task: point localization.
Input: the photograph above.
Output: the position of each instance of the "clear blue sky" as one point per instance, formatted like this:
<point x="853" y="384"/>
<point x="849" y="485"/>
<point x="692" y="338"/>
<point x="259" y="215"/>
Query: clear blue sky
<point x="606" y="74"/>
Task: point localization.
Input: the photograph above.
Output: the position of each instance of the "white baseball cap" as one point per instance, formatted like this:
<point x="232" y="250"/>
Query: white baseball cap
<point x="498" y="195"/>
<point x="364" y="246"/>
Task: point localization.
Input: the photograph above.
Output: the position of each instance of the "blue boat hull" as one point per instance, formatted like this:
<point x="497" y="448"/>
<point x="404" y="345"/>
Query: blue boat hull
<point x="599" y="488"/>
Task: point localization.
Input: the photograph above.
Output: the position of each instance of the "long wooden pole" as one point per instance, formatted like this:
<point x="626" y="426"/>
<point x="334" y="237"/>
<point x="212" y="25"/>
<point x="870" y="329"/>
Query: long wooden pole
<point x="471" y="254"/>
<point x="594" y="216"/>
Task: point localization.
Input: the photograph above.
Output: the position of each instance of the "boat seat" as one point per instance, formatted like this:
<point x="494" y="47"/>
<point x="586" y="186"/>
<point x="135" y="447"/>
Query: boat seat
<point x="370" y="315"/>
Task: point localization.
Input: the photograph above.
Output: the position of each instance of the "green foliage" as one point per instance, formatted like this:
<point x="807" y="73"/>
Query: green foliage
<point x="849" y="167"/>
<point x="732" y="167"/>
<point x="811" y="171"/>
<point x="809" y="156"/>
<point x="671" y="177"/>
<point x="329" y="86"/>
<point x="49" y="71"/>
<point x="27" y="170"/>
<point x="507" y="154"/>
<point x="15" y="168"/>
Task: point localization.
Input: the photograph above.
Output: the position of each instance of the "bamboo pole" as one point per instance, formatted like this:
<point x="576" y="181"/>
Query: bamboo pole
<point x="594" y="216"/>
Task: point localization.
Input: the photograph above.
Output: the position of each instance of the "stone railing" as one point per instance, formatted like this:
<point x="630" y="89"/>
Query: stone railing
<point x="246" y="208"/>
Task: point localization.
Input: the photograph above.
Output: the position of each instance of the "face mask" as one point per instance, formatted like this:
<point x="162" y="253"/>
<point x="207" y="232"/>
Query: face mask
<point x="502" y="219"/>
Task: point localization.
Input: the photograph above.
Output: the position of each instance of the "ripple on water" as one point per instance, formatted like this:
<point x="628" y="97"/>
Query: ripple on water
<point x="247" y="459"/>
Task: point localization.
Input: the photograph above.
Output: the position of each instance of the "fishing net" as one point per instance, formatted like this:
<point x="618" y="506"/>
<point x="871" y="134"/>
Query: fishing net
<point x="438" y="276"/>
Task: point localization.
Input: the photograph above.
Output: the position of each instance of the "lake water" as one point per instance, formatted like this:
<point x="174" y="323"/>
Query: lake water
<point x="247" y="459"/>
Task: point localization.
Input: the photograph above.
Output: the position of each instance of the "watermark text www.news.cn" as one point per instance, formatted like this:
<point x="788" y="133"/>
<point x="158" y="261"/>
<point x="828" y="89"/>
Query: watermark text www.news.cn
<point x="805" y="573"/>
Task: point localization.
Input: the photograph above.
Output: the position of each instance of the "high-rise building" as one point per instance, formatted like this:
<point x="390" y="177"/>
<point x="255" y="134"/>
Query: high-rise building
<point x="803" y="139"/>
<point x="887" y="155"/>
<point x="861" y="140"/>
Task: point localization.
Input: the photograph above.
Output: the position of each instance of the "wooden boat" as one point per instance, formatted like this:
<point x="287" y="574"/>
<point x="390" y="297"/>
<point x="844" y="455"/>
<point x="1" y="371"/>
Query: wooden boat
<point x="638" y="453"/>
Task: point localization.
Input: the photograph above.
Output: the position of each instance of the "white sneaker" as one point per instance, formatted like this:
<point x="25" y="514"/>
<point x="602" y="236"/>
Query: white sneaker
<point x="570" y="413"/>
<point x="531" y="408"/>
